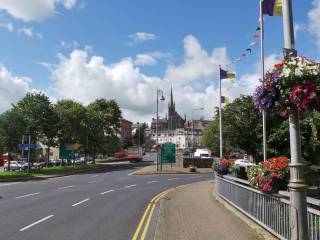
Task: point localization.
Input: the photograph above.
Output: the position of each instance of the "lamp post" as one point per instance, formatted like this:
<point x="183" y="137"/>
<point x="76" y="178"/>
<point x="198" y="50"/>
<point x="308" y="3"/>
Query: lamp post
<point x="192" y="135"/>
<point x="138" y="133"/>
<point x="159" y="93"/>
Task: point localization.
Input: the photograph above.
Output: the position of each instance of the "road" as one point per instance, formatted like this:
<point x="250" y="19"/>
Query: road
<point x="99" y="205"/>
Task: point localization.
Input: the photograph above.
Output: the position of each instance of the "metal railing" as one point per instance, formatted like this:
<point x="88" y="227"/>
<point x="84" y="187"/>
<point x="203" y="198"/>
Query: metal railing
<point x="270" y="211"/>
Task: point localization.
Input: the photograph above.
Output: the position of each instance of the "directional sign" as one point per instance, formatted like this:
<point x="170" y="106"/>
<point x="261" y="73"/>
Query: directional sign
<point x="25" y="145"/>
<point x="168" y="153"/>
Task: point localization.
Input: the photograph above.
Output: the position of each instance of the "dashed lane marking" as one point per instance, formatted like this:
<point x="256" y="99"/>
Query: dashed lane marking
<point x="152" y="182"/>
<point x="35" y="223"/>
<point x="66" y="187"/>
<point x="28" y="195"/>
<point x="78" y="203"/>
<point x="109" y="191"/>
<point x="130" y="186"/>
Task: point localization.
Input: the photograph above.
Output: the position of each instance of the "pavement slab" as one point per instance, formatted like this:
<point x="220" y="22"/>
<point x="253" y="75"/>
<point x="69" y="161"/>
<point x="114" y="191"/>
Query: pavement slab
<point x="191" y="213"/>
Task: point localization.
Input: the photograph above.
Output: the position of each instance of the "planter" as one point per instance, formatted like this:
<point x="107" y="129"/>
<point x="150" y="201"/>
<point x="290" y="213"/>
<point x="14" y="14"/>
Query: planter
<point x="192" y="168"/>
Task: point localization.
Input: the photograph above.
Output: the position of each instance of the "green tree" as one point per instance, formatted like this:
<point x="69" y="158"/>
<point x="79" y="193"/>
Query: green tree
<point x="11" y="130"/>
<point x="102" y="124"/>
<point x="40" y="119"/>
<point x="71" y="117"/>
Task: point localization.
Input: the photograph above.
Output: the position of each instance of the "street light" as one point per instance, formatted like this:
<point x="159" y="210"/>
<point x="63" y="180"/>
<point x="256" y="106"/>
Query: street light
<point x="138" y="133"/>
<point x="159" y="93"/>
<point x="192" y="135"/>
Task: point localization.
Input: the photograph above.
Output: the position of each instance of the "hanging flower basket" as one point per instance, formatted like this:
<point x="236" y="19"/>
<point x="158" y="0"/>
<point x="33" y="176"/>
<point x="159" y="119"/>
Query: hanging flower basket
<point x="292" y="85"/>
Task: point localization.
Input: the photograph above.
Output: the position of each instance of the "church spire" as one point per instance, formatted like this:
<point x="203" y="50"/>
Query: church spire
<point x="171" y="98"/>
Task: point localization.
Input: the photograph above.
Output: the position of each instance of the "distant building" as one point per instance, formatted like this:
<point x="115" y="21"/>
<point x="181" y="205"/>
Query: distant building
<point x="172" y="121"/>
<point x="125" y="132"/>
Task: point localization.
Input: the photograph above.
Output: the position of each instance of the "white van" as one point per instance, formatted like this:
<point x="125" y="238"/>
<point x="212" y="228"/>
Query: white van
<point x="202" y="153"/>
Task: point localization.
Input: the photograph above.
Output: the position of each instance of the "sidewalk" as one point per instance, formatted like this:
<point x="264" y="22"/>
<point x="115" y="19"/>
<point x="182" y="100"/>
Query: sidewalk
<point x="167" y="169"/>
<point x="191" y="212"/>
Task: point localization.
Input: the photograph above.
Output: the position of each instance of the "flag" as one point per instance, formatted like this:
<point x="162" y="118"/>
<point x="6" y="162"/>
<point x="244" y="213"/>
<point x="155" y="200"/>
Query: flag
<point x="272" y="7"/>
<point x="225" y="100"/>
<point x="225" y="74"/>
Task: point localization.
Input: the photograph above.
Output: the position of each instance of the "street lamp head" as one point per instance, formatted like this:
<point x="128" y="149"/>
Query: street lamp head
<point x="162" y="98"/>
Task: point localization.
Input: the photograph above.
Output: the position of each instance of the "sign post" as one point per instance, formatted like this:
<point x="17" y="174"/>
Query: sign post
<point x="168" y="153"/>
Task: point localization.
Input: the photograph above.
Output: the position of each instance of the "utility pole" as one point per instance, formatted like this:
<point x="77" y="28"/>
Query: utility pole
<point x="297" y="186"/>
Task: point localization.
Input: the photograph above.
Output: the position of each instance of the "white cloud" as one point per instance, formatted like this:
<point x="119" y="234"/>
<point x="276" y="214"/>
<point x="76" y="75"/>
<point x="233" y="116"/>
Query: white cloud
<point x="198" y="64"/>
<point x="314" y="19"/>
<point x="7" y="25"/>
<point x="140" y="37"/>
<point x="34" y="10"/>
<point x="26" y="31"/>
<point x="12" y="88"/>
<point x="84" y="78"/>
<point x="144" y="60"/>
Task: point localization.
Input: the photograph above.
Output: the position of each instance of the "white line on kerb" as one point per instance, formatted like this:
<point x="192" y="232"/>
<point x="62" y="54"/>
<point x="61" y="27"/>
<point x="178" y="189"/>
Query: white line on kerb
<point x="95" y="176"/>
<point x="28" y="195"/>
<point x="107" y="192"/>
<point x="170" y="179"/>
<point x="76" y="204"/>
<point x="152" y="182"/>
<point x="130" y="186"/>
<point x="66" y="187"/>
<point x="35" y="223"/>
<point x="95" y="181"/>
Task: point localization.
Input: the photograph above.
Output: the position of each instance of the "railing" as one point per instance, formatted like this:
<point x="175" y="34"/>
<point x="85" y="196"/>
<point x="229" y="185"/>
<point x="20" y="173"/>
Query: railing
<point x="271" y="212"/>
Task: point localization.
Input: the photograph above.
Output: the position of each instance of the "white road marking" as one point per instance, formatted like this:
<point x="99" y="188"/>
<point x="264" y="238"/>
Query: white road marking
<point x="130" y="186"/>
<point x="66" y="187"/>
<point x="152" y="182"/>
<point x="28" y="195"/>
<point x="95" y="176"/>
<point x="112" y="190"/>
<point x="78" y="203"/>
<point x="196" y="177"/>
<point x="35" y="223"/>
<point x="95" y="181"/>
<point x="170" y="179"/>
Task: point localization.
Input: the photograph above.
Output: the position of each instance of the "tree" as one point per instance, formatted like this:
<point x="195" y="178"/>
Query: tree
<point x="71" y="116"/>
<point x="40" y="119"/>
<point x="11" y="129"/>
<point x="241" y="129"/>
<point x="102" y="124"/>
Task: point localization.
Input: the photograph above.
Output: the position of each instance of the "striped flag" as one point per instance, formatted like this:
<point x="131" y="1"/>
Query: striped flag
<point x="272" y="7"/>
<point x="225" y="74"/>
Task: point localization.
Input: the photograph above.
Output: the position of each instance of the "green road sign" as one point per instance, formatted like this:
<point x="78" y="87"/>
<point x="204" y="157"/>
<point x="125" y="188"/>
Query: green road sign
<point x="66" y="153"/>
<point x="168" y="153"/>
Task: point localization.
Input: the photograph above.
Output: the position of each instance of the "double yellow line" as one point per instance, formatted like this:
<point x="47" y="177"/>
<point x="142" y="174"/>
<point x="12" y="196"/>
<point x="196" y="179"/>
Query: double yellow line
<point x="146" y="218"/>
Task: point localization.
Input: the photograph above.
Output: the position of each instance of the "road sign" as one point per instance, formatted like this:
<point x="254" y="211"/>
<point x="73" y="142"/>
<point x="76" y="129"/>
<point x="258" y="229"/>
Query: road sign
<point x="168" y="153"/>
<point x="25" y="145"/>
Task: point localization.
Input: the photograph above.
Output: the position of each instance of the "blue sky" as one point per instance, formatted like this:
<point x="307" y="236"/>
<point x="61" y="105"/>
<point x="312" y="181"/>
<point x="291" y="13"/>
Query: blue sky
<point x="130" y="46"/>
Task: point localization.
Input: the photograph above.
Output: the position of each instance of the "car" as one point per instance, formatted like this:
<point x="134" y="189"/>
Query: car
<point x="243" y="163"/>
<point x="14" y="165"/>
<point x="202" y="153"/>
<point x="55" y="162"/>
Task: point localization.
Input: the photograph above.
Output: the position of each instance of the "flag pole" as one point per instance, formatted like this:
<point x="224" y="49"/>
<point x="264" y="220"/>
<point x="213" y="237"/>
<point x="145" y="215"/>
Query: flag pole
<point x="264" y="112"/>
<point x="220" y="114"/>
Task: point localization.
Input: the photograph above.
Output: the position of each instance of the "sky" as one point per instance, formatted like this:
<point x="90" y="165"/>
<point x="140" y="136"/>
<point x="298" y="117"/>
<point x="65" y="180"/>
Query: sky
<point x="125" y="49"/>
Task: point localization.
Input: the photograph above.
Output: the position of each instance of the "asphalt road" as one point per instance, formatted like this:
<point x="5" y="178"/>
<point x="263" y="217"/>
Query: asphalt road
<point x="101" y="205"/>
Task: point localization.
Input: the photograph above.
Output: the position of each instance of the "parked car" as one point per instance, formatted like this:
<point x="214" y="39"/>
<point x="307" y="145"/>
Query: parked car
<point x="243" y="163"/>
<point x="14" y="165"/>
<point x="56" y="162"/>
